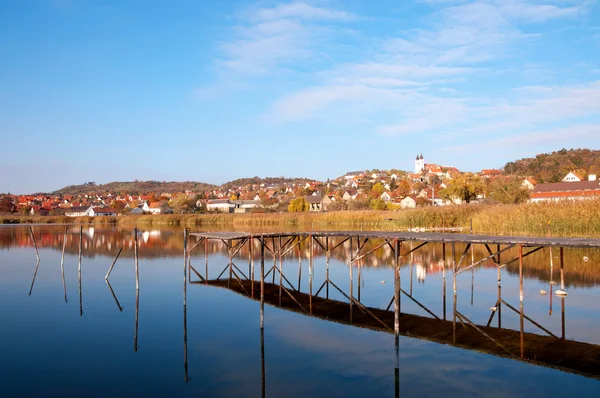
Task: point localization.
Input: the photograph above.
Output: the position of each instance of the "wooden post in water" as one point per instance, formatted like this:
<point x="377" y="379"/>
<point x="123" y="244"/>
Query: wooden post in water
<point x="135" y="260"/>
<point x="251" y="249"/>
<point x="37" y="265"/>
<point x="262" y="282"/>
<point x="185" y="262"/>
<point x="397" y="316"/>
<point x="562" y="270"/>
<point x="299" y="262"/>
<point x="280" y="269"/>
<point x="444" y="278"/>
<point x="562" y="314"/>
<point x="185" y="343"/>
<point x="396" y="276"/>
<point x="185" y="272"/>
<point x="230" y="254"/>
<point x="411" y="267"/>
<point x="262" y="362"/>
<point x="79" y="270"/>
<point x="499" y="309"/>
<point x="137" y="312"/>
<point x="62" y="264"/>
<point x="455" y="295"/>
<point x="310" y="273"/>
<point x="521" y="301"/>
<point x="351" y="279"/>
<point x="37" y="253"/>
<point x="113" y="264"/>
<point x="206" y="259"/>
<point x="327" y="255"/>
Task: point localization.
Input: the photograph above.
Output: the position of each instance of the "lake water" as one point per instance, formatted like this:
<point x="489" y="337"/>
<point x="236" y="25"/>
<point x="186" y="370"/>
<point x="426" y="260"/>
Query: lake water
<point x="100" y="339"/>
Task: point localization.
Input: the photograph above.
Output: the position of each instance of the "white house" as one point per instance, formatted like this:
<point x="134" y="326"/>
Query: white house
<point x="79" y="211"/>
<point x="222" y="205"/>
<point x="571" y="177"/>
<point x="408" y="203"/>
<point x="103" y="212"/>
<point x="385" y="197"/>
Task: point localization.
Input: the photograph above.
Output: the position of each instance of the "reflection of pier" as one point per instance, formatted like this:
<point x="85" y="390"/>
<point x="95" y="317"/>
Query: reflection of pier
<point x="546" y="350"/>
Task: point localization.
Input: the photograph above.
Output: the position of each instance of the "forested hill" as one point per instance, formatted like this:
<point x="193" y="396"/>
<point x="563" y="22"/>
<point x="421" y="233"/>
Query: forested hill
<point x="134" y="187"/>
<point x="268" y="181"/>
<point x="552" y="167"/>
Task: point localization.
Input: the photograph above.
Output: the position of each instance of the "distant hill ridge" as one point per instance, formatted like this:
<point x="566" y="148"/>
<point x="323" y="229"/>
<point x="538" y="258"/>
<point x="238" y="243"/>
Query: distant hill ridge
<point x="134" y="187"/>
<point x="552" y="167"/>
<point x="158" y="187"/>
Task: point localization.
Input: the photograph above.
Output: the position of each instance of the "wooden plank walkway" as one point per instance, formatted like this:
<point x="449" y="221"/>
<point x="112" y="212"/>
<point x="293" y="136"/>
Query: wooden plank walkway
<point x="416" y="236"/>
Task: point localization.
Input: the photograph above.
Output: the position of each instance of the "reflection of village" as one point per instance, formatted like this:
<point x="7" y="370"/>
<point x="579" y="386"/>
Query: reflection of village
<point x="581" y="265"/>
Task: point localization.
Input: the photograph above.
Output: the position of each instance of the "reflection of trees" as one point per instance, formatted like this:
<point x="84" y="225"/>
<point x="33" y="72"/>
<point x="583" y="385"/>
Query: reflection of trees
<point x="168" y="242"/>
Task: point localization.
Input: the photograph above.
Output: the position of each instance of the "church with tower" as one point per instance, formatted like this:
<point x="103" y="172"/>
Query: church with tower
<point x="419" y="164"/>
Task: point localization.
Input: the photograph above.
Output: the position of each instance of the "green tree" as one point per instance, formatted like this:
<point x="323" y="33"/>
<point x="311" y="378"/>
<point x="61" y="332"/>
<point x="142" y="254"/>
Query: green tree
<point x="465" y="187"/>
<point x="377" y="204"/>
<point x="509" y="191"/>
<point x="298" y="205"/>
<point x="377" y="190"/>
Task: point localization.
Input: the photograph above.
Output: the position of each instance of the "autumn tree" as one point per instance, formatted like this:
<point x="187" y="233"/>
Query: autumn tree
<point x="508" y="191"/>
<point x="465" y="187"/>
<point x="298" y="205"/>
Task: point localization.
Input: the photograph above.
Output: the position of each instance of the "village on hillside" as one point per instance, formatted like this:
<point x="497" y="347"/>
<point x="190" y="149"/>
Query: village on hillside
<point x="428" y="185"/>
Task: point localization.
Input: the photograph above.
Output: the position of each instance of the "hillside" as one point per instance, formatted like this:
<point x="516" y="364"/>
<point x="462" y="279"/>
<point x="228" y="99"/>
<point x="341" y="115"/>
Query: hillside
<point x="268" y="181"/>
<point x="552" y="167"/>
<point x="134" y="187"/>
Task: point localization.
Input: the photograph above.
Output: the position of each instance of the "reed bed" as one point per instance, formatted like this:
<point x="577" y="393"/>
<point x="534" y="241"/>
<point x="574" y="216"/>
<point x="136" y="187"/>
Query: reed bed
<point x="566" y="219"/>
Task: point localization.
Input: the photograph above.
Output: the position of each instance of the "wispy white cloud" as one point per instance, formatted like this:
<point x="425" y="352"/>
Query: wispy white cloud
<point x="269" y="38"/>
<point x="579" y="134"/>
<point x="301" y="10"/>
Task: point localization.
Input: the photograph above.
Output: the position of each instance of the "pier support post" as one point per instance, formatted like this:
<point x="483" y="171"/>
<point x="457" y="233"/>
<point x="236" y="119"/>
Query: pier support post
<point x="522" y="331"/>
<point x="455" y="295"/>
<point x="206" y="259"/>
<point x="136" y="262"/>
<point x="444" y="278"/>
<point x="327" y="255"/>
<point x="185" y="257"/>
<point x="62" y="264"/>
<point x="79" y="271"/>
<point x="396" y="288"/>
<point x="262" y="282"/>
<point x="499" y="309"/>
<point x="311" y="263"/>
<point x="251" y="249"/>
<point x="351" y="280"/>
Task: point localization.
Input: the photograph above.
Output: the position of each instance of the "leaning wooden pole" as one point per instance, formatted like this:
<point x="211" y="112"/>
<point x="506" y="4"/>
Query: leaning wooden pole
<point x="37" y="253"/>
<point x="113" y="263"/>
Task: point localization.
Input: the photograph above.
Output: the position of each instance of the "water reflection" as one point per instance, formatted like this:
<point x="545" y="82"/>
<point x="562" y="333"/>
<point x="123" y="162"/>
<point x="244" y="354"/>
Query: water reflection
<point x="307" y="277"/>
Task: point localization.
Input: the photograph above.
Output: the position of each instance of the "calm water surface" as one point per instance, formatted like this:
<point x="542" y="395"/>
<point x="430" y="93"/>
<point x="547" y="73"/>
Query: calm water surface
<point x="52" y="347"/>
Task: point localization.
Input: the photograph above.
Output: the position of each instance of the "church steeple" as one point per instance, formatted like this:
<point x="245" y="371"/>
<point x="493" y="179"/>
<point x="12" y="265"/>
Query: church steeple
<point x="419" y="164"/>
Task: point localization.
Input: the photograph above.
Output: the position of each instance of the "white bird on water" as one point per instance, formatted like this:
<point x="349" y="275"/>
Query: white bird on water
<point x="561" y="293"/>
<point x="543" y="292"/>
<point x="382" y="282"/>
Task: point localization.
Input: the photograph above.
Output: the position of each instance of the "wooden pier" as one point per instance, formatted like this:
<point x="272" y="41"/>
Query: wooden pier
<point x="544" y="349"/>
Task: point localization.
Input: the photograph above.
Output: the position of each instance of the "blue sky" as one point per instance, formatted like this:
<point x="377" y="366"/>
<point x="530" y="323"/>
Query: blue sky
<point x="117" y="90"/>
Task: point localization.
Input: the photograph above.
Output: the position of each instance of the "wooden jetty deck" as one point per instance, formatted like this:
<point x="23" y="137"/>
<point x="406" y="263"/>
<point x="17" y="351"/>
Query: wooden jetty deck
<point x="415" y="236"/>
<point x="566" y="355"/>
<point x="550" y="351"/>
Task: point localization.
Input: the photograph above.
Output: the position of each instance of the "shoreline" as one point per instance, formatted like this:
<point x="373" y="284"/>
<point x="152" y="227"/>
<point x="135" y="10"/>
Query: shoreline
<point x="560" y="219"/>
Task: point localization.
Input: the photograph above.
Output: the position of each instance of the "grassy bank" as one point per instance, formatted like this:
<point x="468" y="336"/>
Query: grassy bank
<point x="566" y="218"/>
